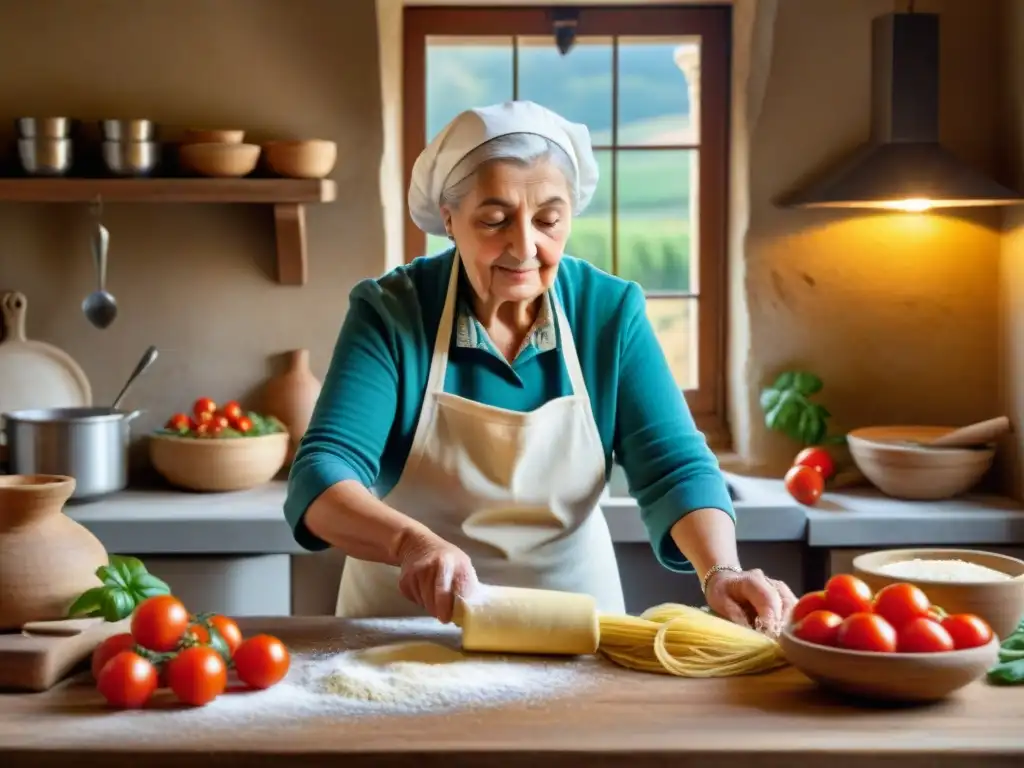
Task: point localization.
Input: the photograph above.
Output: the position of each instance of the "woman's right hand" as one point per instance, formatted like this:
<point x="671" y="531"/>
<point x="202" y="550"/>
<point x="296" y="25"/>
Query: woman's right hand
<point x="433" y="573"/>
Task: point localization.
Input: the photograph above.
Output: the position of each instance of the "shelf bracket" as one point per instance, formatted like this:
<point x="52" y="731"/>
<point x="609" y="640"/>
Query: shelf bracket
<point x="290" y="230"/>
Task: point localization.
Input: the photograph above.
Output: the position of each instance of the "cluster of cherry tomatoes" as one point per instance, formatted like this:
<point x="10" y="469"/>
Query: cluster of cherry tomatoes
<point x="898" y="619"/>
<point x="209" y="420"/>
<point x="805" y="480"/>
<point x="169" y="648"/>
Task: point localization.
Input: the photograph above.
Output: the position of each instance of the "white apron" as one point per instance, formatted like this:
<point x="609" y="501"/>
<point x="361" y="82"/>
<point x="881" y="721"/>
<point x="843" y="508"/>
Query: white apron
<point x="518" y="492"/>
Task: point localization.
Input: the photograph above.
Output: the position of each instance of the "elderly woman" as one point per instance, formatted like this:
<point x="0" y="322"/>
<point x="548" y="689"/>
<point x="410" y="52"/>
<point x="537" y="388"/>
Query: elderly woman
<point x="475" y="398"/>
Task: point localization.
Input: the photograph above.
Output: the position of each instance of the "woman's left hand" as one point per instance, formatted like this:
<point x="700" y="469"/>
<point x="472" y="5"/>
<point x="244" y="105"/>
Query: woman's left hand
<point x="750" y="599"/>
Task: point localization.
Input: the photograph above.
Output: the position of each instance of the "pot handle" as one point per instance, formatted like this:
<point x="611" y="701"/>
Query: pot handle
<point x="129" y="417"/>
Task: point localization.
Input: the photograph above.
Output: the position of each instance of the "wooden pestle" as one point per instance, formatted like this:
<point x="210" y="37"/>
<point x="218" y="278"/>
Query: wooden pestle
<point x="519" y="620"/>
<point x="973" y="434"/>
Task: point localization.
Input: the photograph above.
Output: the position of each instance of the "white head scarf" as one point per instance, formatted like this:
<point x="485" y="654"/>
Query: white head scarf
<point x="474" y="127"/>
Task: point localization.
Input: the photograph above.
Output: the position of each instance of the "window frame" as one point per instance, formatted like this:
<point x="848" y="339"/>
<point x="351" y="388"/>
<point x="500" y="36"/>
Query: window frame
<point x="713" y="24"/>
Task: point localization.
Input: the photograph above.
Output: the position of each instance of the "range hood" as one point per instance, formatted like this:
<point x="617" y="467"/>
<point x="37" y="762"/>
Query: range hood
<point x="903" y="167"/>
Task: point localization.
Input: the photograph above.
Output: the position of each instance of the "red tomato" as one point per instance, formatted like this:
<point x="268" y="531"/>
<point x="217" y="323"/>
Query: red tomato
<point x="846" y="595"/>
<point x="220" y="421"/>
<point x="812" y="601"/>
<point x="817" y="458"/>
<point x="159" y="623"/>
<point x="866" y="632"/>
<point x="232" y="410"/>
<point x="204" y="430"/>
<point x="127" y="680"/>
<point x="922" y="635"/>
<point x="967" y="630"/>
<point x="227" y="628"/>
<point x="205" y="417"/>
<point x="204" y="405"/>
<point x="261" y="661"/>
<point x="900" y="603"/>
<point x="108" y="649"/>
<point x="805" y="484"/>
<point x="243" y="424"/>
<point x="819" y="627"/>
<point x="197" y="675"/>
<point x="179" y="421"/>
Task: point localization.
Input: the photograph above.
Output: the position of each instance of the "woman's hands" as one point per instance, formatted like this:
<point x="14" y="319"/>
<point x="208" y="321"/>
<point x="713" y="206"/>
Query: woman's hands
<point x="750" y="599"/>
<point x="434" y="573"/>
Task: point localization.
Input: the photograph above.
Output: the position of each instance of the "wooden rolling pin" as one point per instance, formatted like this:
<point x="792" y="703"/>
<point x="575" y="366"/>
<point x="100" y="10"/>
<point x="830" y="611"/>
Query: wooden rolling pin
<point x="529" y="621"/>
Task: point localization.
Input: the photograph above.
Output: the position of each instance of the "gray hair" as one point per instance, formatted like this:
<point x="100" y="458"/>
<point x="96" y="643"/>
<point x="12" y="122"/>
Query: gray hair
<point x="523" y="149"/>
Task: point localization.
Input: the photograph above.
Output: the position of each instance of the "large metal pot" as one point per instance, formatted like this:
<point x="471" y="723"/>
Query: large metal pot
<point x="88" y="444"/>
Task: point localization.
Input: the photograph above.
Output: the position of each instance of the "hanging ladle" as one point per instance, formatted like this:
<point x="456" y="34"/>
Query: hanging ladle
<point x="100" y="307"/>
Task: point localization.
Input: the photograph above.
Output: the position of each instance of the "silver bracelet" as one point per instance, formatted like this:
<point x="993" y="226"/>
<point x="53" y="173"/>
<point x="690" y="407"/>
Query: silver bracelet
<point x="717" y="569"/>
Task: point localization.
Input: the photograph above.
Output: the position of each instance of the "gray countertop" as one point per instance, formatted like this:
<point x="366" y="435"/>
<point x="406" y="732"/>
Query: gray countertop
<point x="168" y="522"/>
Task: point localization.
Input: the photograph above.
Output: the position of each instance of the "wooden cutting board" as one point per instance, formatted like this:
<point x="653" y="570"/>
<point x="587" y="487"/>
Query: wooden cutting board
<point x="44" y="652"/>
<point x="34" y="374"/>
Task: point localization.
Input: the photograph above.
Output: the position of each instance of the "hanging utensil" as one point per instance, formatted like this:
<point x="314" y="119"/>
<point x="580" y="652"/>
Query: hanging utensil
<point x="100" y="307"/>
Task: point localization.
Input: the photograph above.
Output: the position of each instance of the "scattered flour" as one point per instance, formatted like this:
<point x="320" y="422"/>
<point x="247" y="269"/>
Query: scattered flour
<point x="942" y="570"/>
<point x="363" y="679"/>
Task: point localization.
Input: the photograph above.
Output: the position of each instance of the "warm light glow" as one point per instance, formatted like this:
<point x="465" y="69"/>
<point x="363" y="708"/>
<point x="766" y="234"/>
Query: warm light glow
<point x="911" y="205"/>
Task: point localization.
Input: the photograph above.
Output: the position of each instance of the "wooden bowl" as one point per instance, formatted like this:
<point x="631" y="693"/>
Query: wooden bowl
<point x="220" y="160"/>
<point x="308" y="159"/>
<point x="889" y="458"/>
<point x="212" y="136"/>
<point x="891" y="677"/>
<point x="1000" y="603"/>
<point x="218" y="464"/>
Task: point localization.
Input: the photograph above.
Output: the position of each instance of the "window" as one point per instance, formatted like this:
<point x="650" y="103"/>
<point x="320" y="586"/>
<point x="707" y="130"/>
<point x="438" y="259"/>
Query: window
<point x="652" y="84"/>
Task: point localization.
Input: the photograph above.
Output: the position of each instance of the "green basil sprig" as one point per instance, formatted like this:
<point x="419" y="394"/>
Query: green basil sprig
<point x="126" y="583"/>
<point x="1010" y="669"/>
<point x="788" y="409"/>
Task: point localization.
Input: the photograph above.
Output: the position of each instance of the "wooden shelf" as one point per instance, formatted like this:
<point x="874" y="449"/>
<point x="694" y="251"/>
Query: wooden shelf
<point x="288" y="196"/>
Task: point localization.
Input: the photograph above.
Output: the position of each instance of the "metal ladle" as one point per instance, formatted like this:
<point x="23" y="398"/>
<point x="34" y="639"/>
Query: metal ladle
<point x="148" y="358"/>
<point x="100" y="307"/>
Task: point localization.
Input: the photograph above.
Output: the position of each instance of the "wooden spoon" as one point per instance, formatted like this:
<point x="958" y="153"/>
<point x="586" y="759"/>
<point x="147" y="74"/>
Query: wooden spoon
<point x="972" y="435"/>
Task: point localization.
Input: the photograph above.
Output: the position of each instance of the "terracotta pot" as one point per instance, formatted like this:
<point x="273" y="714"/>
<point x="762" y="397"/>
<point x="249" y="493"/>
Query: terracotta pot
<point x="291" y="397"/>
<point x="46" y="559"/>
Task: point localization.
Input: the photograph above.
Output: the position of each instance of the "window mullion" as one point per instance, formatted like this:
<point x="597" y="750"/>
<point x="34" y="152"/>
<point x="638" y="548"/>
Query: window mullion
<point x="614" y="199"/>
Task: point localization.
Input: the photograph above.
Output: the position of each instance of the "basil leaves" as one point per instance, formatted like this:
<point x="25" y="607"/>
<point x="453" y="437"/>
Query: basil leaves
<point x="788" y="409"/>
<point x="1010" y="669"/>
<point x="126" y="583"/>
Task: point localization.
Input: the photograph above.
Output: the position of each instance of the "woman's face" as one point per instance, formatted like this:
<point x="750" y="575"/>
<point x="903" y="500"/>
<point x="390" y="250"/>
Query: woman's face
<point x="511" y="230"/>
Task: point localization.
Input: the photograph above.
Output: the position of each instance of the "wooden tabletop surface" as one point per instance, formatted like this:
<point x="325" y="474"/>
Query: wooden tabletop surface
<point x="629" y="719"/>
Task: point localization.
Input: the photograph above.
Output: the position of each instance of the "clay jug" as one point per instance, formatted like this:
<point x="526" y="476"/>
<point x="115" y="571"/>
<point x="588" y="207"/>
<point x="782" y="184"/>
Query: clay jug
<point x="291" y="396"/>
<point x="46" y="559"/>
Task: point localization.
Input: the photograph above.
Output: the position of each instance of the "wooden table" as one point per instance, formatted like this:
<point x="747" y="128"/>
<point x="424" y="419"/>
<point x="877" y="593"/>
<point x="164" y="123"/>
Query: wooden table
<point x="635" y="720"/>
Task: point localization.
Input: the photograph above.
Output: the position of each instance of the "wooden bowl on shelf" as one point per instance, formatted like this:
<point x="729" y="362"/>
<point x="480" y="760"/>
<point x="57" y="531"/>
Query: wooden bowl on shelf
<point x="1000" y="603"/>
<point x="212" y="136"/>
<point x="218" y="464"/>
<point x="306" y="159"/>
<point x="890" y="677"/>
<point x="892" y="459"/>
<point x="220" y="160"/>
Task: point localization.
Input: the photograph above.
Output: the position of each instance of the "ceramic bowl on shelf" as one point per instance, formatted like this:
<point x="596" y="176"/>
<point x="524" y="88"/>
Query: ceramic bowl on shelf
<point x="213" y="136"/>
<point x="220" y="160"/>
<point x="218" y="464"/>
<point x="1000" y="603"/>
<point x="889" y="677"/>
<point x="306" y="159"/>
<point x="895" y="462"/>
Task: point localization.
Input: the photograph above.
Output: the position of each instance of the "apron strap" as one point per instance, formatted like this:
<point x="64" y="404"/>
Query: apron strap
<point x="443" y="340"/>
<point x="569" y="355"/>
